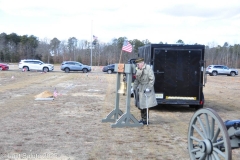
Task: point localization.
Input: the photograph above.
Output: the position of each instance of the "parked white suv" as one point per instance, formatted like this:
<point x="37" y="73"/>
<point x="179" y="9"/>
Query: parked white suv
<point x="32" y="64"/>
<point x="214" y="70"/>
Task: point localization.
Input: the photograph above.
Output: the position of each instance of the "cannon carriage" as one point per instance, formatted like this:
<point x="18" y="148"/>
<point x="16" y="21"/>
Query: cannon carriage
<point x="210" y="138"/>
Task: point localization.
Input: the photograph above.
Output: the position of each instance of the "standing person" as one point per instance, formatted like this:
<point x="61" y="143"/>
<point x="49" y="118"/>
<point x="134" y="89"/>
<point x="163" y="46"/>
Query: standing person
<point x="144" y="82"/>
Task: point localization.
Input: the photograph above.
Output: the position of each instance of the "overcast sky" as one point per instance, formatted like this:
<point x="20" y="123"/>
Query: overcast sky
<point x="193" y="21"/>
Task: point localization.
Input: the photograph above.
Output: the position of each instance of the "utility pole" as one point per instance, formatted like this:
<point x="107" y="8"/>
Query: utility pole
<point x="91" y="44"/>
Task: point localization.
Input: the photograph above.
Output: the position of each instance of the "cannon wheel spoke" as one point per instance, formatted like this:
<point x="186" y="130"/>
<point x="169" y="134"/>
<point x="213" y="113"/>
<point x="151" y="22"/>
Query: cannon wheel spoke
<point x="208" y="137"/>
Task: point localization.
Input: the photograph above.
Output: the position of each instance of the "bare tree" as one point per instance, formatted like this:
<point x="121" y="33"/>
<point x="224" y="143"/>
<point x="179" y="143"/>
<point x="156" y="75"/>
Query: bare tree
<point x="72" y="44"/>
<point x="54" y="43"/>
<point x="43" y="49"/>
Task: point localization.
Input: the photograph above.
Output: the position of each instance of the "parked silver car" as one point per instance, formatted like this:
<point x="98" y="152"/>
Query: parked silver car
<point x="214" y="70"/>
<point x="68" y="66"/>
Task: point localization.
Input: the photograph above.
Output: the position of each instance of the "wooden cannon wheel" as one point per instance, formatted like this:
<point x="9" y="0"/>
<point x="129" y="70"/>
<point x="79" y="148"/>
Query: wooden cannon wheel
<point x="208" y="137"/>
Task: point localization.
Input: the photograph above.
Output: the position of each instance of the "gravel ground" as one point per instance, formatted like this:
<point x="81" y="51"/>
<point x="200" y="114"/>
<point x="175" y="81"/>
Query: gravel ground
<point x="70" y="127"/>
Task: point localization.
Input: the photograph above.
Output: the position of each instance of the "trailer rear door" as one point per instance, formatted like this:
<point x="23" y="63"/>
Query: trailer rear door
<point x="177" y="75"/>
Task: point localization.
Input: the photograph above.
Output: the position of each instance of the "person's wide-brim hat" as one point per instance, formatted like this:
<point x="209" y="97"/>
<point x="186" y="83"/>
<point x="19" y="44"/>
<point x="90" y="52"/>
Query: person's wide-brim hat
<point x="139" y="60"/>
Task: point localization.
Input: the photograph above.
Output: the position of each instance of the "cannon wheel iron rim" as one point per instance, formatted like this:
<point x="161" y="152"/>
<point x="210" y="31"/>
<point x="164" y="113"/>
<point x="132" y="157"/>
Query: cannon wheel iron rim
<point x="208" y="137"/>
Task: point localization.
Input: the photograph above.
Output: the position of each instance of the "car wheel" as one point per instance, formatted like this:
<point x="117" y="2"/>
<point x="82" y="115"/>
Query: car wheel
<point x="45" y="69"/>
<point x="109" y="71"/>
<point x="214" y="73"/>
<point x="85" y="70"/>
<point x="26" y="68"/>
<point x="67" y="70"/>
<point x="232" y="73"/>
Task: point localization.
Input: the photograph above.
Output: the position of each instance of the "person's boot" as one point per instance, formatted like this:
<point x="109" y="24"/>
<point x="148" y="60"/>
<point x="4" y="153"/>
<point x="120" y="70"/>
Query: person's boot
<point x="144" y="122"/>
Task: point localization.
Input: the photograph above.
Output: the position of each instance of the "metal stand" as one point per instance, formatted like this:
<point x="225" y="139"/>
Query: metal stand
<point x="127" y="119"/>
<point x="146" y="95"/>
<point x="113" y="115"/>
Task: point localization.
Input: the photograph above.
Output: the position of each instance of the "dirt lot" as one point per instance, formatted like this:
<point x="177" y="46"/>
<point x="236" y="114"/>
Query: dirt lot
<point x="70" y="127"/>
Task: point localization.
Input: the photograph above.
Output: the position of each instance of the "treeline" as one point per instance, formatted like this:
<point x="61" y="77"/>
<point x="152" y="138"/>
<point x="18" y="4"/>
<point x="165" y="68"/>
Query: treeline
<point x="226" y="55"/>
<point x="13" y="48"/>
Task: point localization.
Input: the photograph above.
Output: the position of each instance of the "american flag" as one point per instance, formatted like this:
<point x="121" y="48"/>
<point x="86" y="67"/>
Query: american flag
<point x="95" y="38"/>
<point x="127" y="46"/>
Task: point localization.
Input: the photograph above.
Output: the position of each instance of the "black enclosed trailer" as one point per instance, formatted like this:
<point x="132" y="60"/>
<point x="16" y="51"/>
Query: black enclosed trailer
<point x="179" y="72"/>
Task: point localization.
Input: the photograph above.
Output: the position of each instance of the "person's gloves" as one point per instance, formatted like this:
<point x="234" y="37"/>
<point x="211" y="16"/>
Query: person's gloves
<point x="132" y="90"/>
<point x="147" y="90"/>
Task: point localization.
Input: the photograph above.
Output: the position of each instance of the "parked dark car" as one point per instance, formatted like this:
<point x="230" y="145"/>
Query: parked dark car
<point x="68" y="66"/>
<point x="3" y="67"/>
<point x="131" y="61"/>
<point x="109" y="68"/>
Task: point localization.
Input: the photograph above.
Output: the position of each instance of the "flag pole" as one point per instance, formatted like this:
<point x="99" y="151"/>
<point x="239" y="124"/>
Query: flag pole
<point x="91" y="43"/>
<point x="120" y="57"/>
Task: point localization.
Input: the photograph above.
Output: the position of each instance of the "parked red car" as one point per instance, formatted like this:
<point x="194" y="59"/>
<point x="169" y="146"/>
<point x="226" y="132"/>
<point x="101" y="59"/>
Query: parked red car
<point x="4" y="66"/>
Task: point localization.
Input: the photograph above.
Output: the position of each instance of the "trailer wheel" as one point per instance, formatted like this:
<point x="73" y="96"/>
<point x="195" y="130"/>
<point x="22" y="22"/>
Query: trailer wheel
<point x="208" y="137"/>
<point x="197" y="107"/>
